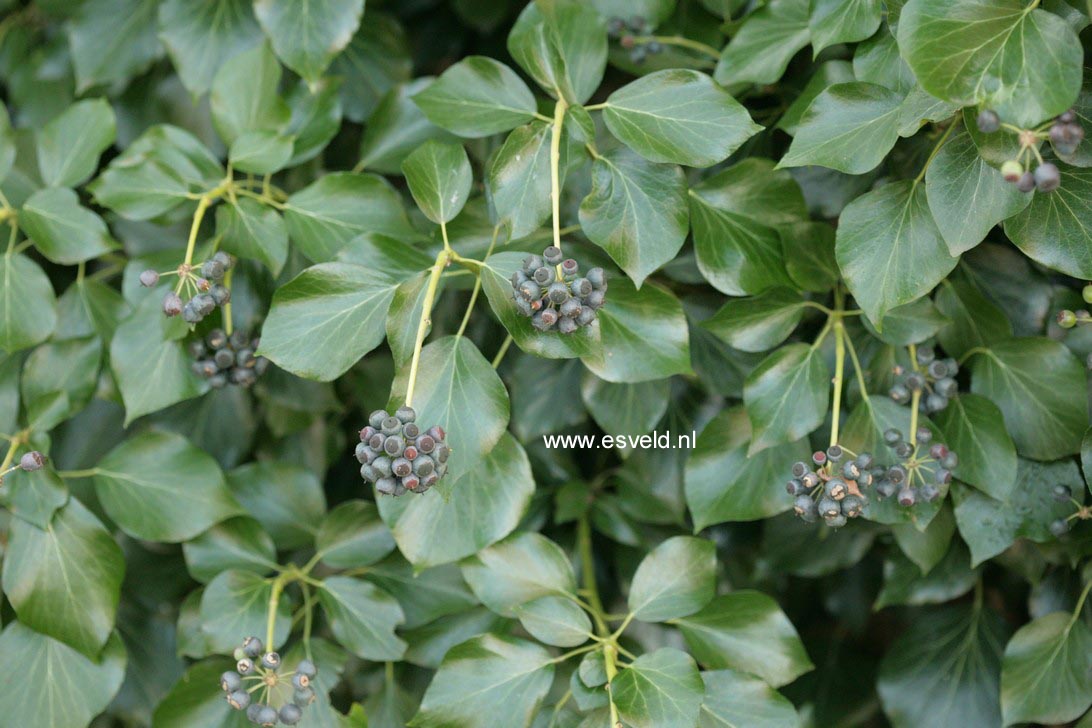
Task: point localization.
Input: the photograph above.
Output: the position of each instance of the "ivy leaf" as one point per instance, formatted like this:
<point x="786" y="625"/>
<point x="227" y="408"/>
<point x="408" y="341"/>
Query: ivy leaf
<point x="316" y="118"/>
<point x="429" y="644"/>
<point x="958" y="180"/>
<point x="487" y="679"/>
<point x="808" y="249"/>
<point x="325" y="319"/>
<point x="519" y="179"/>
<point x="736" y="699"/>
<point x="659" y="688"/>
<point x="765" y="43"/>
<point x="1023" y="62"/>
<point x="324" y="216"/>
<point x="65" y="580"/>
<point x="196" y="698"/>
<point x="904" y="583"/>
<point x="105" y="51"/>
<point x="758" y="323"/>
<point x="926" y="547"/>
<point x="849" y="127"/>
<point x="724" y="484"/>
<point x="396" y="128"/>
<point x="555" y="621"/>
<point x="562" y="45"/>
<point x="878" y="60"/>
<point x="244" y="95"/>
<point x="35" y="497"/>
<point x="1054" y="228"/>
<point x="626" y="409"/>
<point x="539" y="390"/>
<point x="29" y="688"/>
<point x="519" y="569"/>
<point x="287" y="499"/>
<point x="1046" y="672"/>
<point x="974" y="428"/>
<point x="69" y="146"/>
<point x="477" y="509"/>
<point x="678" y="116"/>
<point x="425" y="594"/>
<point x="911" y="323"/>
<point x="975" y="320"/>
<point x="353" y="535"/>
<point x="261" y="152"/>
<point x="405" y="314"/>
<point x="439" y="177"/>
<point x="236" y="603"/>
<point x="945" y="670"/>
<point x="307" y="35"/>
<point x="395" y="258"/>
<point x="201" y="36"/>
<point x="827" y="74"/>
<point x="362" y="617"/>
<point x="249" y="229"/>
<point x="843" y="21"/>
<point x="59" y="380"/>
<point x="636" y="211"/>
<point x="676" y="578"/>
<point x="643" y="334"/>
<point x="786" y="395"/>
<point x="1032" y="381"/>
<point x="237" y="543"/>
<point x="477" y="97"/>
<point x="90" y="308"/>
<point x="63" y="230"/>
<point x="157" y="486"/>
<point x="890" y="249"/>
<point x="920" y="107"/>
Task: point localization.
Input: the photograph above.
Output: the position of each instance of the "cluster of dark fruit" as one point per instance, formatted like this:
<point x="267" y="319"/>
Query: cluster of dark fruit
<point x="934" y="377"/>
<point x="627" y="33"/>
<point x="923" y="470"/>
<point x="1065" y="134"/>
<point x="833" y="489"/>
<point x="223" y="359"/>
<point x="552" y="292"/>
<point x="1061" y="526"/>
<point x="396" y="456"/>
<point x="210" y="289"/>
<point x="258" y="671"/>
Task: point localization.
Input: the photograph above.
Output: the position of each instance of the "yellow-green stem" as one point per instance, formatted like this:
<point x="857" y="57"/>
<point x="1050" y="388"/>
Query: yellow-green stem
<point x="839" y="371"/>
<point x="555" y="166"/>
<point x="477" y="281"/>
<point x="274" y="605"/>
<point x="229" y="326"/>
<point x="915" y="399"/>
<point x="422" y="326"/>
<point x="502" y="351"/>
<point x="587" y="568"/>
<point x="936" y="149"/>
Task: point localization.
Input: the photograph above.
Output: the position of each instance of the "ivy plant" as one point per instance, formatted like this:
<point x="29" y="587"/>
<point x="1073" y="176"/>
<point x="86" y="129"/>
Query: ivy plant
<point x="553" y="363"/>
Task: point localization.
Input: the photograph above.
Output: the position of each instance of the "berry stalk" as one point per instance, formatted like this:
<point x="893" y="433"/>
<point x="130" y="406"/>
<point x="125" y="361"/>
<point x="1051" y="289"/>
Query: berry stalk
<point x="839" y="365"/>
<point x="274" y="604"/>
<point x="915" y="399"/>
<point x="442" y="259"/>
<point x="555" y="165"/>
<point x="587" y="568"/>
<point x="936" y="150"/>
<point x="225" y="311"/>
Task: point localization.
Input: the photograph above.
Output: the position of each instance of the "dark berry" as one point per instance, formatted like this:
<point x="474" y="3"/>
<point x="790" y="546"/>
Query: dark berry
<point x="929" y="492"/>
<point x="300" y="680"/>
<point x="212" y="269"/>
<point x="32" y="461"/>
<point x="569" y="267"/>
<point x="245" y="666"/>
<point x="567" y="325"/>
<point x="988" y="121"/>
<point x="810" y="480"/>
<point x="835" y="521"/>
<point x="149" y="278"/>
<point x="896" y="474"/>
<point x="230" y="681"/>
<point x="1059" y="527"/>
<point x="1026" y="183"/>
<point x="935" y="402"/>
<point x="924" y="435"/>
<point x="1047" y="177"/>
<point x="306" y="667"/>
<point x="544" y="276"/>
<point x="805" y="507"/>
<point x="892" y="437"/>
<point x="253" y="647"/>
<point x="303" y="697"/>
<point x="819" y="457"/>
<point x="907" y="497"/>
<point x="946" y="387"/>
<point x="1062" y="493"/>
<point x="794" y="487"/>
<point x="904" y="449"/>
<point x="172" y="304"/>
<point x="915" y="381"/>
<point x="836" y="488"/>
<point x="239" y="699"/>
<point x="938" y="451"/>
<point x="253" y="711"/>
<point x="220" y="294"/>
<point x="267" y="716"/>
<point x="799" y="468"/>
<point x="950" y="461"/>
<point x="900" y="394"/>
<point x="942" y="476"/>
<point x="829" y="507"/>
<point x="834" y="453"/>
<point x="851" y="471"/>
<point x="271" y="660"/>
<point x="290" y="714"/>
<point x="864" y="461"/>
<point x="852" y="506"/>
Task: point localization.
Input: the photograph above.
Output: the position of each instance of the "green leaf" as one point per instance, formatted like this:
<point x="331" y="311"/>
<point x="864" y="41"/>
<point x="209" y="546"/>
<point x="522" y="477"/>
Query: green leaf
<point x="758" y="323"/>
<point x="425" y="594"/>
<point x="244" y="95"/>
<point x="958" y="180"/>
<point x="826" y="75"/>
<point x="326" y="318"/>
<point x="59" y="380"/>
<point x="626" y="409"/>
<point x="519" y="569"/>
<point x="324" y="216"/>
<point x="30" y="691"/>
<point x="480" y="508"/>
<point x="249" y="229"/>
<point x="904" y="583"/>
<point x="786" y="395"/>
<point x="540" y="390"/>
<point x="62" y="229"/>
<point x="89" y="308"/>
<point x="724" y="484"/>
<point x="945" y="670"/>
<point x="765" y="43"/>
<point x="926" y="547"/>
<point x="316" y="118"/>
<point x="974" y="428"/>
<point x="65" y="581"/>
<point x="353" y="535"/>
<point x="307" y="34"/>
<point x="238" y="543"/>
<point x="555" y="621"/>
<point x="849" y="127"/>
<point x="404" y="316"/>
<point x="975" y="320"/>
<point x="1046" y="672"/>
<point x="878" y="60"/>
<point x="200" y="36"/>
<point x="35" y="497"/>
<point x="643" y="334"/>
<point x="808" y="248"/>
<point x="911" y="323"/>
<point x="678" y="116"/>
<point x="260" y="152"/>
<point x="477" y="97"/>
<point x="106" y="51"/>
<point x="1054" y="228"/>
<point x="636" y="211"/>
<point x="287" y="499"/>
<point x="157" y="486"/>
<point x="519" y="179"/>
<point x="890" y="249"/>
<point x="69" y="146"/>
<point x="659" y="688"/>
<point x="7" y="145"/>
<point x="362" y="617"/>
<point x="439" y="177"/>
<point x="1033" y="381"/>
<point x="235" y="605"/>
<point x="737" y="699"/>
<point x="429" y="644"/>
<point x="920" y="107"/>
<point x="562" y="45"/>
<point x="460" y="391"/>
<point x="1023" y="62"/>
<point x="196" y="699"/>
<point x="747" y="631"/>
<point x="676" y="578"/>
<point x="843" y="21"/>
<point x="396" y="128"/>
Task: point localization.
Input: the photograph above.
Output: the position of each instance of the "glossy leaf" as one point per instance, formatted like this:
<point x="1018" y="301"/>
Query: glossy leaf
<point x="675" y="579"/>
<point x="974" y="428"/>
<point x="439" y="177"/>
<point x="562" y="45"/>
<point x="735" y="698"/>
<point x="518" y="570"/>
<point x="238" y="543"/>
<point x="352" y="535"/>
<point x="63" y="230"/>
<point x="307" y="35"/>
<point x="760" y="322"/>
<point x="201" y="36"/>
<point x="1053" y="229"/>
<point x="235" y="603"/>
<point x="477" y="97"/>
<point x="786" y="395"/>
<point x="659" y="688"/>
<point x="843" y="21"/>
<point x="1045" y="674"/>
<point x="69" y="146"/>
<point x="362" y="617"/>
<point x="765" y="43"/>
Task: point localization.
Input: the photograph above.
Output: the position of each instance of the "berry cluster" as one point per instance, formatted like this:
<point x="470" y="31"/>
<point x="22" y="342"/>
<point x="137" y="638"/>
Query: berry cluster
<point x="263" y="672"/>
<point x="1064" y="133"/>
<point x="933" y="377"/>
<point x="1061" y="526"/>
<point x="552" y="292"/>
<point x="922" y="472"/>
<point x="208" y="288"/>
<point x="830" y="490"/>
<point x="224" y="359"/>
<point x="632" y="34"/>
<point x="396" y="456"/>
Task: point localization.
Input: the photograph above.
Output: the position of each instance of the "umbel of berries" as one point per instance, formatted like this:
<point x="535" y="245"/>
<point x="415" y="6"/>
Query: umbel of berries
<point x="832" y="487"/>
<point x="223" y="359"/>
<point x="933" y="378"/>
<point x="206" y="285"/>
<point x="1065" y="134"/>
<point x="923" y="471"/>
<point x="396" y="455"/>
<point x="553" y="293"/>
<point x="261" y="686"/>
